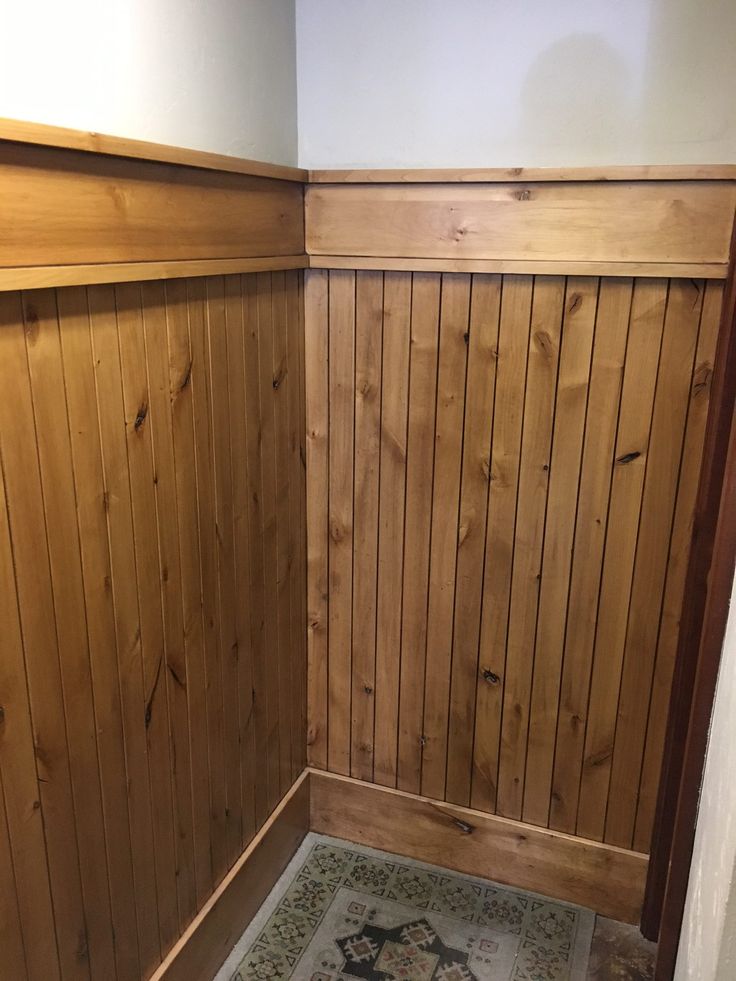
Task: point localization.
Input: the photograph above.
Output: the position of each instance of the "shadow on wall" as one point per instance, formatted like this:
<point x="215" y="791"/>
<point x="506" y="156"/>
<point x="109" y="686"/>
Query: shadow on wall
<point x="576" y="102"/>
<point x="690" y="80"/>
<point x="584" y="103"/>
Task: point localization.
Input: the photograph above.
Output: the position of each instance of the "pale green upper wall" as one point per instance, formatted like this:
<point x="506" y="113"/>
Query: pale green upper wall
<point x="472" y="83"/>
<point x="217" y="75"/>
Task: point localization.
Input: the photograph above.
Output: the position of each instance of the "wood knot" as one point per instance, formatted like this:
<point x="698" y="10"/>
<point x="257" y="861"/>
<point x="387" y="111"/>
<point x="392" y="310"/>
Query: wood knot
<point x="544" y="343"/>
<point x="141" y="416"/>
<point x="367" y="689"/>
<point x="467" y="829"/>
<point x="575" y="303"/>
<point x="279" y="376"/>
<point x="701" y="379"/>
<point x="186" y="377"/>
<point x="490" y="676"/>
<point x="30" y="323"/>
<point x="596" y="759"/>
<point x="628" y="457"/>
<point x="523" y="195"/>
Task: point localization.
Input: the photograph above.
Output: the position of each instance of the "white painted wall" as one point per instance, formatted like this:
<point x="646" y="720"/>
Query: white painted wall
<point x="708" y="940"/>
<point x="472" y="83"/>
<point x="216" y="75"/>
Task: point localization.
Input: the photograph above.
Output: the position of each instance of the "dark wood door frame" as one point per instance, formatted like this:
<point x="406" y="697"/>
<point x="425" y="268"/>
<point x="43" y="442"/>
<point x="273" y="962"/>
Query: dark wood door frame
<point x="707" y="592"/>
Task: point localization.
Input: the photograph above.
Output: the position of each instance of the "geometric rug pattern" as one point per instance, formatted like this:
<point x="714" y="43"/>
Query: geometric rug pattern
<point x="342" y="912"/>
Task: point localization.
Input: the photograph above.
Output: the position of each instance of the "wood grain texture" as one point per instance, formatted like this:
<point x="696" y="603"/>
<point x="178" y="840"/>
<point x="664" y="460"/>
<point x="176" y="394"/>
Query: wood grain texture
<point x="67" y="208"/>
<point x="534" y="267"/>
<point x="607" y="879"/>
<point x="39" y="277"/>
<point x="524" y="432"/>
<point x="494" y="175"/>
<point x="142" y="698"/>
<point x="217" y="927"/>
<point x="677" y="222"/>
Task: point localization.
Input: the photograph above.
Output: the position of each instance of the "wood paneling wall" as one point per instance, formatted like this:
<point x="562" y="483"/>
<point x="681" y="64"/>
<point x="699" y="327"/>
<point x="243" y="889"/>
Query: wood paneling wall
<point x="152" y="605"/>
<point x="629" y="225"/>
<point x="501" y="479"/>
<point x="65" y="207"/>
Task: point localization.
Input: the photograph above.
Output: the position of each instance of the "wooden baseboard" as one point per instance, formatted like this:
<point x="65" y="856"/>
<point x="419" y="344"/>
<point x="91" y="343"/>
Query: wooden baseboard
<point x="602" y="877"/>
<point x="213" y="933"/>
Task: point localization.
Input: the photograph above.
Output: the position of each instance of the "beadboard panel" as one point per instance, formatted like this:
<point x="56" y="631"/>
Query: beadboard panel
<point x="153" y="569"/>
<point x="501" y="480"/>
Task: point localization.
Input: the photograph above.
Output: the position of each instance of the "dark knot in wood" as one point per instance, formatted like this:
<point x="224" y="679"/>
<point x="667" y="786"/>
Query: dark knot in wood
<point x="628" y="457"/>
<point x="141" y="417"/>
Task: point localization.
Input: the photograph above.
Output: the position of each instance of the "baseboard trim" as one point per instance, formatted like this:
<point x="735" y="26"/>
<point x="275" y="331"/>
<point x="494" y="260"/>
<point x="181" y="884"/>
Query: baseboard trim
<point x="607" y="879"/>
<point x="210" y="937"/>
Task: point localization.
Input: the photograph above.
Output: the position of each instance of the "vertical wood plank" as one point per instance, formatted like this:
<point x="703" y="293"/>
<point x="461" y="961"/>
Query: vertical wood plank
<point x="18" y="438"/>
<point x="89" y="489"/>
<point x="677" y="562"/>
<point x="279" y="389"/>
<point x="394" y="408"/>
<point x="679" y="343"/>
<point x="11" y="938"/>
<point x="443" y="542"/>
<point x="176" y="680"/>
<point x="201" y="386"/>
<point x="303" y="587"/>
<point x="297" y="519"/>
<point x="632" y="443"/>
<point x="136" y="398"/>
<point x="116" y="505"/>
<point x="368" y="352"/>
<point x="255" y="537"/>
<point x="485" y="308"/>
<point x="181" y="367"/>
<point x="422" y="396"/>
<point x="219" y="354"/>
<point x="316" y="384"/>
<point x="536" y="437"/>
<point x="581" y="302"/>
<point x="609" y="351"/>
<point x="17" y="761"/>
<point x="43" y="350"/>
<point x="513" y="345"/>
<point x="269" y="532"/>
<point x="242" y="653"/>
<point x="340" y="556"/>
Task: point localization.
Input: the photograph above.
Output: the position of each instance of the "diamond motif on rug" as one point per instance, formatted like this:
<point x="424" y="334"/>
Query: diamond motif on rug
<point x="409" y="952"/>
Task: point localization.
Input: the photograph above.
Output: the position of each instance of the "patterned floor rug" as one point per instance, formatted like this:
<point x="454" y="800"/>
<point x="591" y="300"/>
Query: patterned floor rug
<point x="342" y="912"/>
